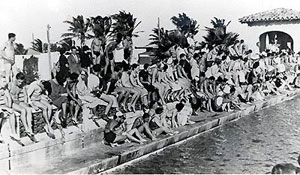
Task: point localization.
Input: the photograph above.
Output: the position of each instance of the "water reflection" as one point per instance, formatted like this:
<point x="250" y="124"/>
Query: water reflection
<point x="252" y="144"/>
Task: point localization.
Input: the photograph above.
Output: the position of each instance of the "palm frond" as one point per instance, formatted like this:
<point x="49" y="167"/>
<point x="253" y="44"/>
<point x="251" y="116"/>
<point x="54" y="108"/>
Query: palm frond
<point x="217" y="35"/>
<point x="185" y="24"/>
<point x="37" y="45"/>
<point x="78" y="28"/>
<point x="165" y="39"/>
<point x="20" y="50"/>
<point x="125" y="24"/>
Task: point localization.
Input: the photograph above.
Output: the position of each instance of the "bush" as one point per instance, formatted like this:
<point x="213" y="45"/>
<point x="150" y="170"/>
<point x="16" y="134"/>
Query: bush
<point x="30" y="69"/>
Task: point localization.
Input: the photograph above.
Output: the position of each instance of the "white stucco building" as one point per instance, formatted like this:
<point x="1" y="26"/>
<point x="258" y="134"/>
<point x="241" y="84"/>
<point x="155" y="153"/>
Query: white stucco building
<point x="270" y="29"/>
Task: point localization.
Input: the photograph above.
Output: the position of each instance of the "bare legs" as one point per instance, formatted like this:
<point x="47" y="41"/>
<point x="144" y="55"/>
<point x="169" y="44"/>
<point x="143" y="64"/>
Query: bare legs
<point x="146" y="129"/>
<point x="12" y="123"/>
<point x="74" y="114"/>
<point x="129" y="135"/>
<point x="47" y="112"/>
<point x="137" y="134"/>
<point x="108" y="100"/>
<point x="8" y="72"/>
<point x="26" y="118"/>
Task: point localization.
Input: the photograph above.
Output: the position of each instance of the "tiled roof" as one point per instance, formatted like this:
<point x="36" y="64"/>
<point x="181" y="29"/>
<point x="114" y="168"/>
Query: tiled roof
<point x="279" y="14"/>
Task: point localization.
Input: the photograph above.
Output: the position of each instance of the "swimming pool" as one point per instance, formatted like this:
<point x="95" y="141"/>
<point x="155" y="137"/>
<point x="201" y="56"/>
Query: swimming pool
<point x="253" y="144"/>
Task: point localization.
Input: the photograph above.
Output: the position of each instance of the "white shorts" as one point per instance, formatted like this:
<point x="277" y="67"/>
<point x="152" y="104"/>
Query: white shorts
<point x="12" y="68"/>
<point x="5" y="67"/>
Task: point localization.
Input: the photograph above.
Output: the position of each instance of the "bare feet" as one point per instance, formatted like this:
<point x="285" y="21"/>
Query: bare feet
<point x="31" y="137"/>
<point x="49" y="132"/>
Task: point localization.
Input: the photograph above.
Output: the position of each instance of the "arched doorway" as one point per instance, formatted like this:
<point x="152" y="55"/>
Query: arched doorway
<point x="275" y="40"/>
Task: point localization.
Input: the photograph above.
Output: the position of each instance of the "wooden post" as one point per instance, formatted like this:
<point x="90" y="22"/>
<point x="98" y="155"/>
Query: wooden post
<point x="32" y="37"/>
<point x="49" y="49"/>
<point x="158" y="29"/>
<point x="9" y="155"/>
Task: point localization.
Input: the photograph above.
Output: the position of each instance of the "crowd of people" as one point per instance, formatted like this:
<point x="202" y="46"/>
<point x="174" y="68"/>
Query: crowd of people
<point x="173" y="87"/>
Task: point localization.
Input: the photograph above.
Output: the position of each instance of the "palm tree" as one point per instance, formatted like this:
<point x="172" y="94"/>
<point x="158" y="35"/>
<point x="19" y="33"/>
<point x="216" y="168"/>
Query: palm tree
<point x="165" y="39"/>
<point x="30" y="69"/>
<point x="37" y="45"/>
<point x="220" y="27"/>
<point x="78" y="28"/>
<point x="65" y="43"/>
<point x="53" y="47"/>
<point x="161" y="39"/>
<point x="217" y="34"/>
<point x="100" y="25"/>
<point x="125" y="24"/>
<point x="20" y="50"/>
<point x="185" y="24"/>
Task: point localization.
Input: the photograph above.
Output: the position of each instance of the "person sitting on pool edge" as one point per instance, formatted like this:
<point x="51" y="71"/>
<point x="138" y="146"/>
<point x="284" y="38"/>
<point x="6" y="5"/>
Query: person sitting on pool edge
<point x="15" y="88"/>
<point x="141" y="123"/>
<point x="175" y="119"/>
<point x="115" y="132"/>
<point x="158" y="123"/>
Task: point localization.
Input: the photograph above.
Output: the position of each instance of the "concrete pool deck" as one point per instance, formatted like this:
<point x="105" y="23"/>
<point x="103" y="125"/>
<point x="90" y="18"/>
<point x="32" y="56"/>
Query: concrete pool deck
<point x="84" y="153"/>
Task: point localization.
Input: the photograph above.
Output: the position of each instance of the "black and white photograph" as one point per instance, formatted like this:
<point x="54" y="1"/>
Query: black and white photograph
<point x="150" y="87"/>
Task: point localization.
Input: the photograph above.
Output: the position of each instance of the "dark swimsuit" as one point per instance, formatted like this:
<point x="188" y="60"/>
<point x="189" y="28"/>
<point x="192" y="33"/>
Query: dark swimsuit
<point x="109" y="136"/>
<point x="110" y="55"/>
<point x="215" y="106"/>
<point x="153" y="125"/>
<point x="139" y="121"/>
<point x="97" y="53"/>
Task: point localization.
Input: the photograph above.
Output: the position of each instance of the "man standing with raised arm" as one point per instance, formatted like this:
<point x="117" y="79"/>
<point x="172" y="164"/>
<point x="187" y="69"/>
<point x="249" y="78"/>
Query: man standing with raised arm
<point x="7" y="53"/>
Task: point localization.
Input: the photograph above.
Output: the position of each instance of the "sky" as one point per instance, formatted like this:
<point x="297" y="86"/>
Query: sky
<point x="28" y="18"/>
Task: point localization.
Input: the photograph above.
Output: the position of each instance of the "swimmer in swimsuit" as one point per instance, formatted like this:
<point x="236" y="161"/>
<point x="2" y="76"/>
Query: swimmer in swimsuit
<point x="97" y="50"/>
<point x="109" y="53"/>
<point x="7" y="56"/>
<point x="35" y="90"/>
<point x="15" y="89"/>
<point x="5" y="113"/>
<point x="115" y="131"/>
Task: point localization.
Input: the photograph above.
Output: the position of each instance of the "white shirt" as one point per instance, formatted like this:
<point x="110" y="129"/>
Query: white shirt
<point x="125" y="80"/>
<point x="195" y="68"/>
<point x="93" y="82"/>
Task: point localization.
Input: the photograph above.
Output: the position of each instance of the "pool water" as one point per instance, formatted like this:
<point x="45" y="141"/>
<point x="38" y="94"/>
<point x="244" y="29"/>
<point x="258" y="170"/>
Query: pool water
<point x="253" y="144"/>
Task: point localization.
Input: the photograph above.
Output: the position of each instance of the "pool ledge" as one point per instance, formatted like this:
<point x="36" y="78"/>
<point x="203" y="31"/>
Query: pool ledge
<point x="97" y="157"/>
<point x="184" y="134"/>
